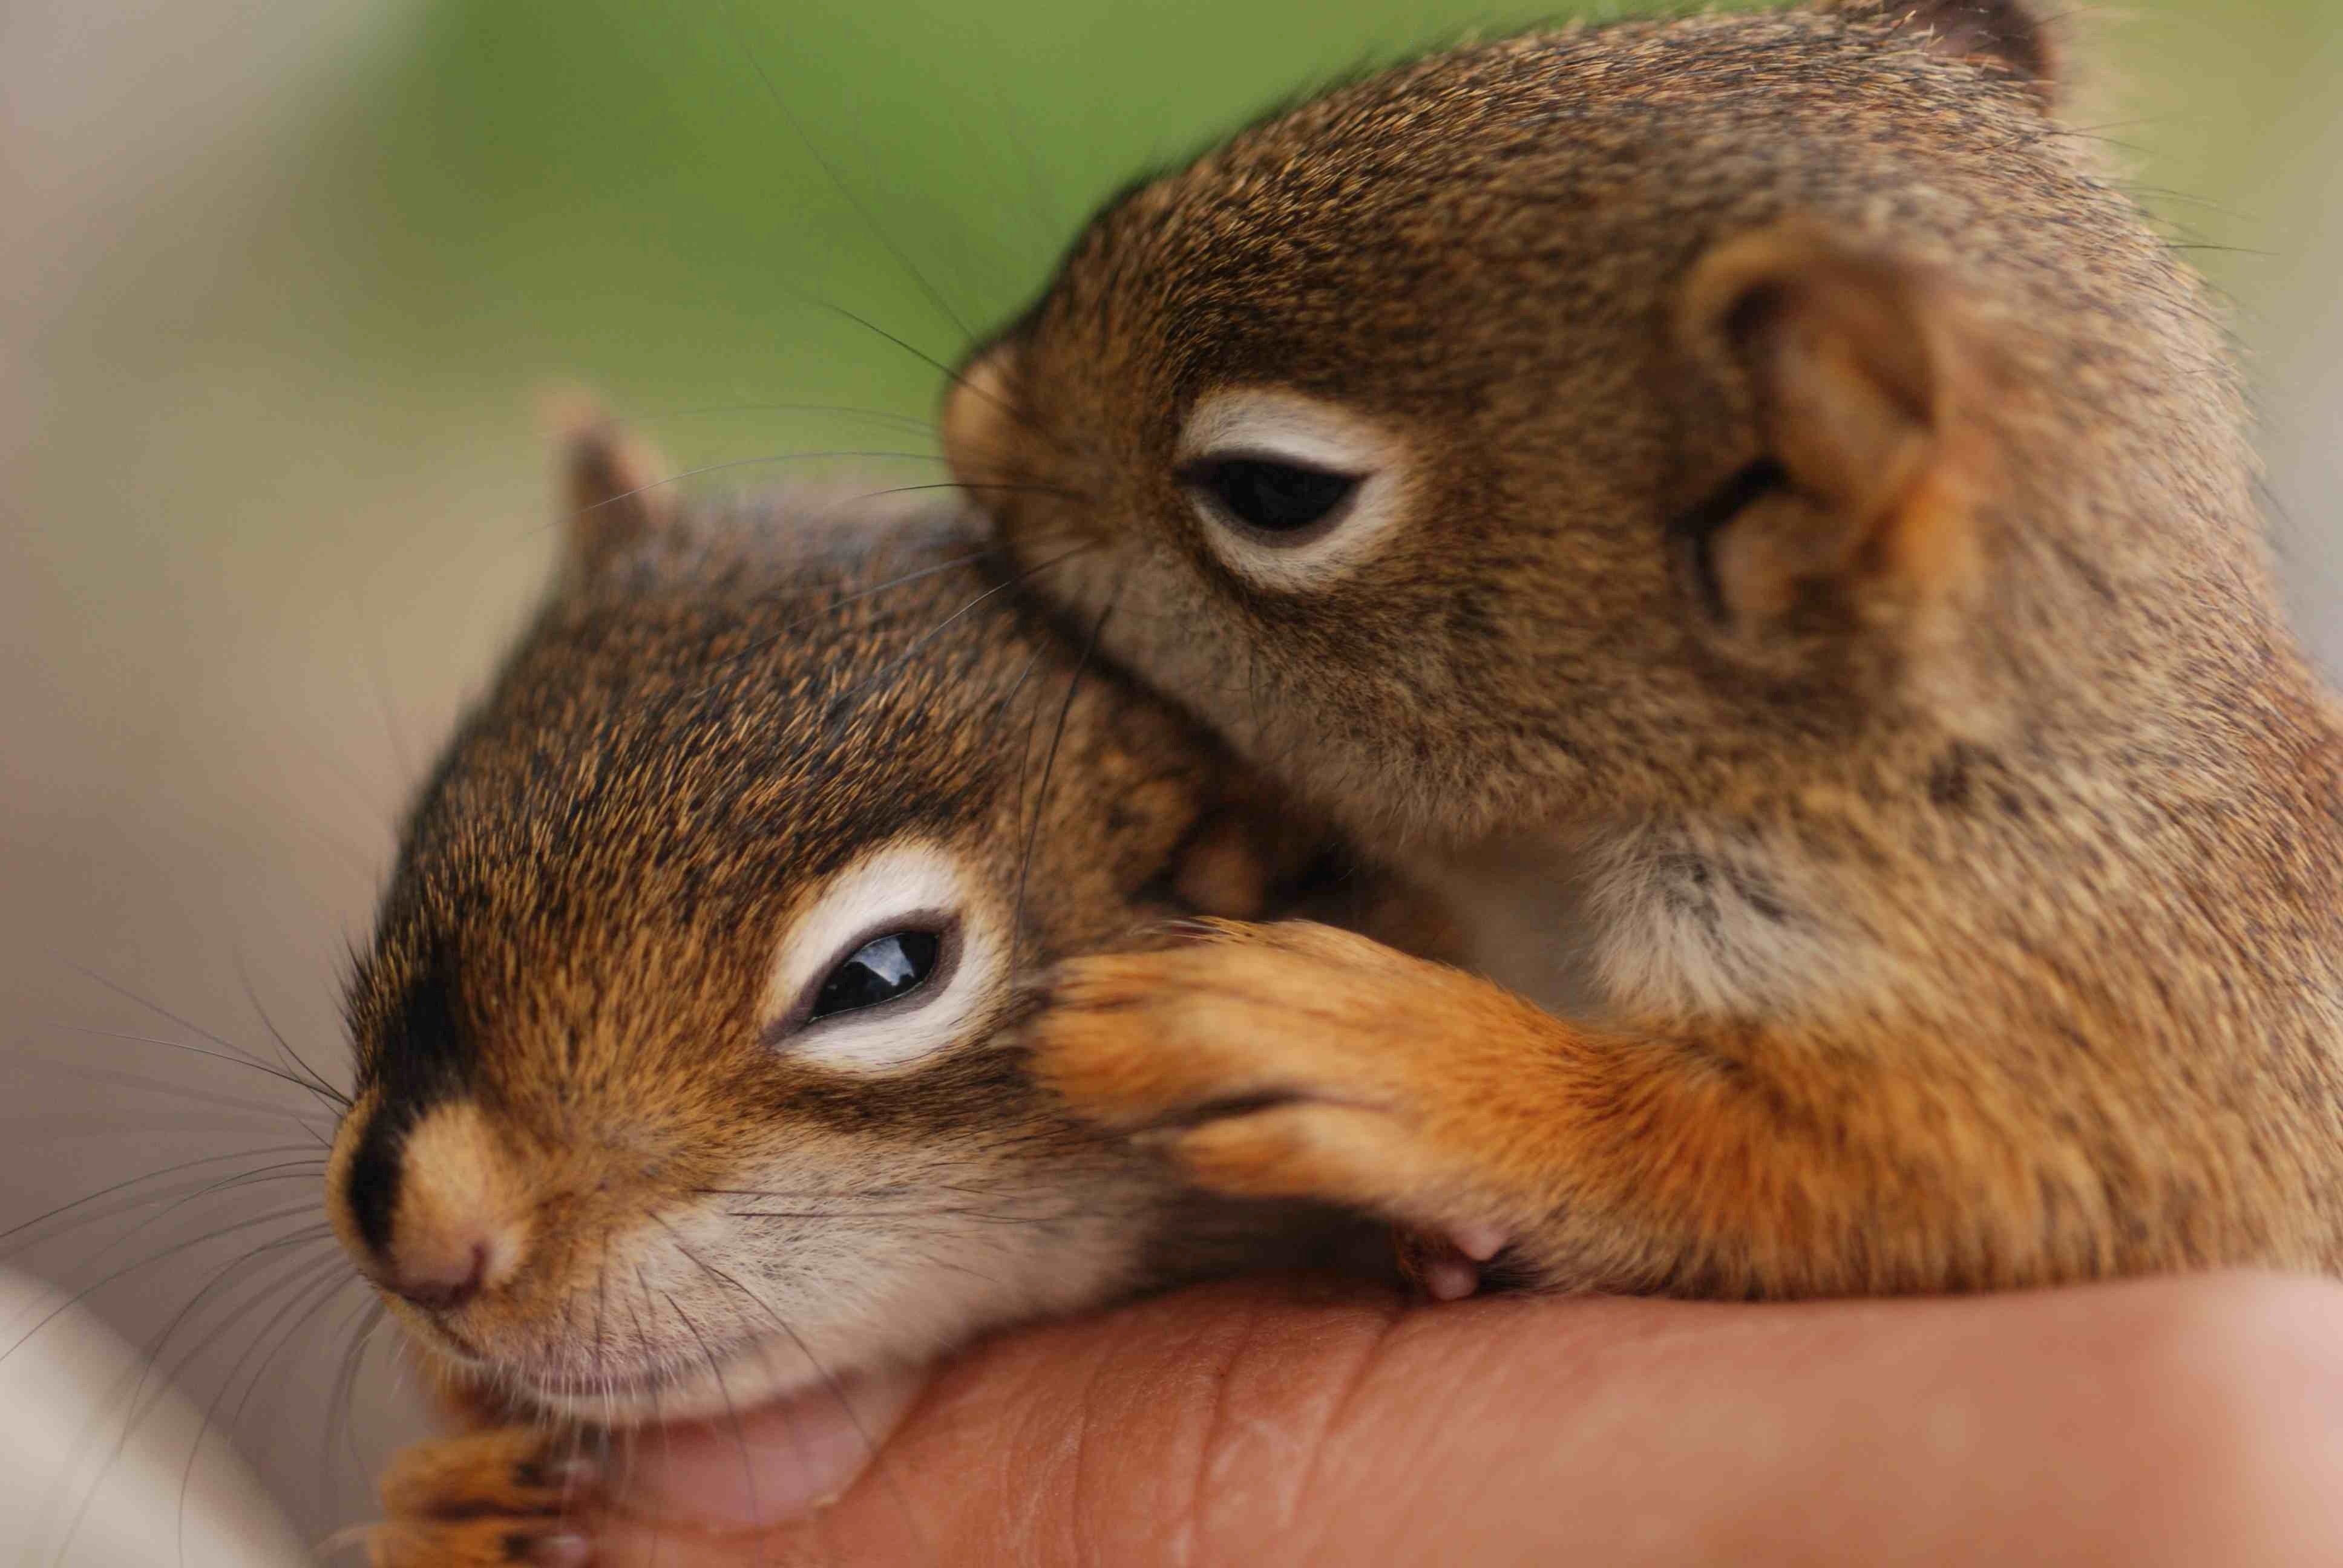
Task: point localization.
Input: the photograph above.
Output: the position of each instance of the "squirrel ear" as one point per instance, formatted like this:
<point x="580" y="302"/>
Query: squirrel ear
<point x="613" y="483"/>
<point x="1846" y="361"/>
<point x="2008" y="32"/>
<point x="977" y="414"/>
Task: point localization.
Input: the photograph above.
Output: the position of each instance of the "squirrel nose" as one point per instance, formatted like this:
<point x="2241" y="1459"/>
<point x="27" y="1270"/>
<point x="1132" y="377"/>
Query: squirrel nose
<point x="441" y="1283"/>
<point x="435" y="1208"/>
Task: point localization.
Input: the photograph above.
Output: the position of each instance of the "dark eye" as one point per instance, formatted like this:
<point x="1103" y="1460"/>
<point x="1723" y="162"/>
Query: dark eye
<point x="1273" y="496"/>
<point x="880" y="969"/>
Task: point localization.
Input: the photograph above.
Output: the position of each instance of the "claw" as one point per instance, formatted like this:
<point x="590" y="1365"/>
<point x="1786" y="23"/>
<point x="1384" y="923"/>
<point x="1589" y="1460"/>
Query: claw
<point x="1478" y="1243"/>
<point x="1449" y="1278"/>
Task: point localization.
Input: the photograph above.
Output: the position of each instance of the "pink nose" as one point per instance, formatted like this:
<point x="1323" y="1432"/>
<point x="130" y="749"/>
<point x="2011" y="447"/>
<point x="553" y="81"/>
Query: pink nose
<point x="443" y="1284"/>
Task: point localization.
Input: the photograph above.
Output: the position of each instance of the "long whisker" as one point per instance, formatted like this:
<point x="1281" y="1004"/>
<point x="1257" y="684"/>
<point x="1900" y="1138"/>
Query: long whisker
<point x="740" y="1435"/>
<point x="830" y="1382"/>
<point x="316" y="1080"/>
<point x="308" y="1301"/>
<point x="830" y="171"/>
<point x="252" y="1287"/>
<point x="86" y="1292"/>
<point x="920" y="644"/>
<point x="667" y="1444"/>
<point x="910" y="423"/>
<point x="762" y="644"/>
<point x="161" y="1011"/>
<point x="63" y="1209"/>
<point x="601" y="1350"/>
<point x="1059" y="492"/>
<point x="291" y="1170"/>
<point x="136" y="1408"/>
<point x="842" y="600"/>
<point x="768" y="457"/>
<point x="242" y="1105"/>
<point x="1041" y="795"/>
<point x="235" y="1058"/>
<point x="373" y="1312"/>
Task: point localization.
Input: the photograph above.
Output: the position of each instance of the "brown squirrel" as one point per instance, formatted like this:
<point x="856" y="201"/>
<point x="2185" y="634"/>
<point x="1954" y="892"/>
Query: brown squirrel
<point x="1757" y="517"/>
<point x="681" y="1079"/>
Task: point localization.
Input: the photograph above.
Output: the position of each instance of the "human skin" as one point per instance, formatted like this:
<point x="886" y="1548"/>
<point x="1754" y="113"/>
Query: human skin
<point x="2185" y="1421"/>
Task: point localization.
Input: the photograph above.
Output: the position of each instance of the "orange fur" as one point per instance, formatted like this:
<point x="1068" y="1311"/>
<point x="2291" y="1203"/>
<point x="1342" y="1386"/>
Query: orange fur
<point x="1297" y="1061"/>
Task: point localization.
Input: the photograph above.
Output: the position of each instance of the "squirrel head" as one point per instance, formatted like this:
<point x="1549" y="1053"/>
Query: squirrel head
<point x="684" y="1036"/>
<point x="1609" y="418"/>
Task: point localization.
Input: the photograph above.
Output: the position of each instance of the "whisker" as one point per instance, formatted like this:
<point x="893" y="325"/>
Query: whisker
<point x="737" y="463"/>
<point x="161" y="1011"/>
<point x="762" y="644"/>
<point x="87" y="1290"/>
<point x="1041" y="795"/>
<point x="152" y="1083"/>
<point x="829" y="1381"/>
<point x="920" y="644"/>
<point x="910" y="423"/>
<point x="136" y="1407"/>
<point x="253" y="1288"/>
<point x="855" y="597"/>
<point x="135" y="1410"/>
<point x="747" y="1469"/>
<point x="315" y="1079"/>
<point x="150" y="1176"/>
<point x="1058" y="492"/>
<point x="177" y="1198"/>
<point x="233" y="1057"/>
<point x="309" y="1303"/>
<point x="740" y="38"/>
<point x="373" y="1312"/>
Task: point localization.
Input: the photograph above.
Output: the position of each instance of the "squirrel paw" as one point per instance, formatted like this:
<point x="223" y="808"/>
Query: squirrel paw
<point x="505" y="1495"/>
<point x="1293" y="1061"/>
<point x="1447" y="1267"/>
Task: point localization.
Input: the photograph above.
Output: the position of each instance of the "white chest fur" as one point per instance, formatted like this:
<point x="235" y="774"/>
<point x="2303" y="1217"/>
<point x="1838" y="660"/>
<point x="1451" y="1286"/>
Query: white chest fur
<point x="1678" y="920"/>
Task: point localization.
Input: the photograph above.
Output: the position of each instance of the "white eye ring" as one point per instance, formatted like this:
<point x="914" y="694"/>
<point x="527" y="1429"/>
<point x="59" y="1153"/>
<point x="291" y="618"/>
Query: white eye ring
<point x="905" y="886"/>
<point x="1272" y="425"/>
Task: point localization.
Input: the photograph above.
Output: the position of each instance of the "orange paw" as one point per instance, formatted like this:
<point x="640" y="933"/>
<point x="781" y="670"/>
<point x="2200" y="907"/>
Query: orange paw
<point x="1289" y="1061"/>
<point x="505" y="1495"/>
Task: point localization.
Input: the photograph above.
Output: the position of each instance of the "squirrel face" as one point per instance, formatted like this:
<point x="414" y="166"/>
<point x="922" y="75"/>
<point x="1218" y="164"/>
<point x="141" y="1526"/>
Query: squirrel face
<point x="1606" y="419"/>
<point x="683" y="1053"/>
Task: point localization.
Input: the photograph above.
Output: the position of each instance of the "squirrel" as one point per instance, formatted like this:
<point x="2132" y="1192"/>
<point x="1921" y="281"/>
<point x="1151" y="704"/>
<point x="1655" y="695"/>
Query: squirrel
<point x="680" y="1078"/>
<point x="1745" y="507"/>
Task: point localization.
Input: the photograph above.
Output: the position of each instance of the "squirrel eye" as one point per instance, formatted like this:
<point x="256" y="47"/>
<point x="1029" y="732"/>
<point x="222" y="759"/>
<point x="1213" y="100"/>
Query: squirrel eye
<point x="1268" y="495"/>
<point x="880" y="970"/>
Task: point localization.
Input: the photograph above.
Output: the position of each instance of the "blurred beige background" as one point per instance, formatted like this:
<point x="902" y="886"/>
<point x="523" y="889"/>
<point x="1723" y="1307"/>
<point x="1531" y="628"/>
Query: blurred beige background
<point x="277" y="284"/>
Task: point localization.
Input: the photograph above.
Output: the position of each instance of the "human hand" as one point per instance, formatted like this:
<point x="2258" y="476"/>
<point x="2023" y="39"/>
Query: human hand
<point x="2185" y="1421"/>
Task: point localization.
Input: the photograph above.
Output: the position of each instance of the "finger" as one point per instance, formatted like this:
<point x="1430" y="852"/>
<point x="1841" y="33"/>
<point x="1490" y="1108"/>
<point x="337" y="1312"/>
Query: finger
<point x="997" y="1462"/>
<point x="2189" y="1420"/>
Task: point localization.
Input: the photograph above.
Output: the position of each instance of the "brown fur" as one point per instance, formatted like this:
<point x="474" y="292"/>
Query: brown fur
<point x="567" y="1050"/>
<point x="1827" y="647"/>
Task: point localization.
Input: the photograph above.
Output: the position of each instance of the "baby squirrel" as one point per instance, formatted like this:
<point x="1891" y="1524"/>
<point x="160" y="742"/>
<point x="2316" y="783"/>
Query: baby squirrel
<point x="681" y="1083"/>
<point x="1757" y="516"/>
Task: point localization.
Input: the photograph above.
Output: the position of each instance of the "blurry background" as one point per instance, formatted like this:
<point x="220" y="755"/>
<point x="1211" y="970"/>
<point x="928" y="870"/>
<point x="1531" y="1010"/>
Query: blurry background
<point x="278" y="287"/>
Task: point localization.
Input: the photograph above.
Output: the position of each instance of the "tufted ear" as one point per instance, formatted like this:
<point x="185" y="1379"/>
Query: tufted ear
<point x="1849" y="363"/>
<point x="979" y="420"/>
<point x="2006" y="32"/>
<point x="614" y="489"/>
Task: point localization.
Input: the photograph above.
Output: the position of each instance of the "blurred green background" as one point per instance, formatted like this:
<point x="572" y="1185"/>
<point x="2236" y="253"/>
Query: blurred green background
<point x="282" y="284"/>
